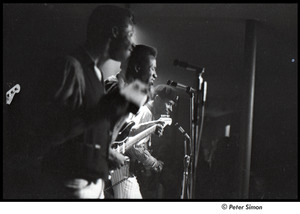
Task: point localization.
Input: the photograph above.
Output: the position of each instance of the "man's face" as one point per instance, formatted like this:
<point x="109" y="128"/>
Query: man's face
<point x="122" y="45"/>
<point x="149" y="71"/>
<point x="164" y="106"/>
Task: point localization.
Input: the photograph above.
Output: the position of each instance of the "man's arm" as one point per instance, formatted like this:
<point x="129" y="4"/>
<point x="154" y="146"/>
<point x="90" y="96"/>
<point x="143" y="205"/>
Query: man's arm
<point x="141" y="154"/>
<point x="140" y="151"/>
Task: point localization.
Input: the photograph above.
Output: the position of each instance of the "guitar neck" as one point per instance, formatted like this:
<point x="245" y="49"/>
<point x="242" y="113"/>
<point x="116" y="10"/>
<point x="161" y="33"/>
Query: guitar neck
<point x="134" y="139"/>
<point x="127" y="143"/>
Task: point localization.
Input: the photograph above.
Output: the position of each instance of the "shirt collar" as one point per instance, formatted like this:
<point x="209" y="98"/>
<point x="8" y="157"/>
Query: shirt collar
<point x="92" y="62"/>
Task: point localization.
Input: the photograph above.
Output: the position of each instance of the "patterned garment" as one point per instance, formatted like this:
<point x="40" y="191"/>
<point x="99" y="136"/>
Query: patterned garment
<point x="124" y="184"/>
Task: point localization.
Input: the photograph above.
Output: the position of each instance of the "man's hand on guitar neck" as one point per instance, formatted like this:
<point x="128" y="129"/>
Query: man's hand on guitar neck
<point x="158" y="166"/>
<point x="161" y="124"/>
<point x="159" y="128"/>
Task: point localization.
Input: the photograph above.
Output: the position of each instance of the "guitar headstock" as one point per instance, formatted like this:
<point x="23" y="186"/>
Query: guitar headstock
<point x="11" y="93"/>
<point x="165" y="119"/>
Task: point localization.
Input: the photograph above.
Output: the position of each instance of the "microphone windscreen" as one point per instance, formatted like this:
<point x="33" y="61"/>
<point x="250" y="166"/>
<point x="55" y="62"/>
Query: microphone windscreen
<point x="172" y="83"/>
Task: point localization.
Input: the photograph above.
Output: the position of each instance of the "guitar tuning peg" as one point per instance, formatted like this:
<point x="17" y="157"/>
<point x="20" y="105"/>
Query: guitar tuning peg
<point x="165" y="116"/>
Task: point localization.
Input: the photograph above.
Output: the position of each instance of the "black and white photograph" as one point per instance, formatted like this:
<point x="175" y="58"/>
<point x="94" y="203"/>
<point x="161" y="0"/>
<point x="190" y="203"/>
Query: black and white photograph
<point x="142" y="102"/>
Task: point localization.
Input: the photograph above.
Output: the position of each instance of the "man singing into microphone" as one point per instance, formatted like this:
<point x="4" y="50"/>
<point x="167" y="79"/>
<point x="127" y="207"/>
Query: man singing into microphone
<point x="145" y="168"/>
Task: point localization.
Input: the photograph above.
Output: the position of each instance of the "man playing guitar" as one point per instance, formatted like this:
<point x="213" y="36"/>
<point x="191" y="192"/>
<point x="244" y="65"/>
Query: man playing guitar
<point x="142" y="163"/>
<point x="141" y="65"/>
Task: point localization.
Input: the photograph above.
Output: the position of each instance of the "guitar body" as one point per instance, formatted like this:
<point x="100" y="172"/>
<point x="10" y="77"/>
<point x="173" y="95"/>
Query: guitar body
<point x="122" y="137"/>
<point x="124" y="131"/>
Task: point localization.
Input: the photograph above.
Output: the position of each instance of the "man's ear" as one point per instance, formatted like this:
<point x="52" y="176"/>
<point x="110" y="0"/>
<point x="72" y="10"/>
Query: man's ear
<point x="115" y="31"/>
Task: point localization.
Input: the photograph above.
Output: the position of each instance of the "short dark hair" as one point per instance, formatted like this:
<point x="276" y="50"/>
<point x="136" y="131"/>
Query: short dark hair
<point x="139" y="55"/>
<point x="104" y="18"/>
<point x="166" y="92"/>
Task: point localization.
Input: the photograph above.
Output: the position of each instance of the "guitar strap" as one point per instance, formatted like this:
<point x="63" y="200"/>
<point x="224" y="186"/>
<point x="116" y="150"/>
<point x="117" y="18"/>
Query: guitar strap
<point x="108" y="188"/>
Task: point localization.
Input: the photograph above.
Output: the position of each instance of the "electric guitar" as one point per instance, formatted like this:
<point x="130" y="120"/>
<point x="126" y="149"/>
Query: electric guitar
<point x="119" y="175"/>
<point x="123" y="145"/>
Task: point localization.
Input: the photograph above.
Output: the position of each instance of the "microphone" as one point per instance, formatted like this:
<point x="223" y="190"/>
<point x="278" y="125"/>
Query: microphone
<point x="188" y="89"/>
<point x="187" y="66"/>
<point x="182" y="130"/>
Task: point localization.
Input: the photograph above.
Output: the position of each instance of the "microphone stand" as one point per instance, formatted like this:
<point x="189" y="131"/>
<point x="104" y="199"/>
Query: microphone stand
<point x="190" y="162"/>
<point x="192" y="130"/>
<point x="196" y="129"/>
<point x="186" y="164"/>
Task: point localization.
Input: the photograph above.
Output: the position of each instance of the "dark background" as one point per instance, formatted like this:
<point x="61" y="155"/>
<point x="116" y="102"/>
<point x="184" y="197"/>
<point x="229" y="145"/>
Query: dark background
<point x="208" y="35"/>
